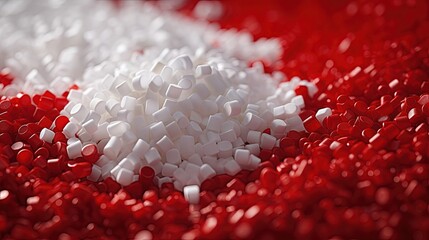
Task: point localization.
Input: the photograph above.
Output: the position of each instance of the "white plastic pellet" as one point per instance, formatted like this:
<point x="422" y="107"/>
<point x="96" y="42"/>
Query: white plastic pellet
<point x="298" y="101"/>
<point x="173" y="156"/>
<point x="232" y="108"/>
<point x="117" y="128"/>
<point x="90" y="126"/>
<point x="157" y="131"/>
<point x="253" y="162"/>
<point x="253" y="148"/>
<point x="321" y="114"/>
<point x="181" y="119"/>
<point x="203" y="70"/>
<point x="152" y="156"/>
<point x="74" y="149"/>
<point x="254" y="137"/>
<point x="173" y="91"/>
<point x="214" y="123"/>
<point x="206" y="172"/>
<point x="128" y="103"/>
<point x="47" y="135"/>
<point x="112" y="148"/>
<point x="95" y="173"/>
<point x="225" y="149"/>
<point x="168" y="169"/>
<point x="290" y="110"/>
<point x="210" y="148"/>
<point x="232" y="168"/>
<point x="70" y="129"/>
<point x="125" y="177"/>
<point x="164" y="144"/>
<point x="242" y="156"/>
<point x="267" y="141"/>
<point x="252" y="121"/>
<point x="192" y="194"/>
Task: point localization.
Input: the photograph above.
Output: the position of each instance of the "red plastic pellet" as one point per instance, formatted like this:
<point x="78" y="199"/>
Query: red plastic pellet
<point x="90" y="153"/>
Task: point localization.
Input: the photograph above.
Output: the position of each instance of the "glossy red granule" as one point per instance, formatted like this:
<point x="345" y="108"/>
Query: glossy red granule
<point x="362" y="174"/>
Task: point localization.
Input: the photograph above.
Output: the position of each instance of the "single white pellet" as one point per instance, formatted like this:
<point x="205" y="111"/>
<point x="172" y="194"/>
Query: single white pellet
<point x="278" y="126"/>
<point x="214" y="123"/>
<point x="168" y="169"/>
<point x="212" y="136"/>
<point x="298" y="101"/>
<point x="79" y="112"/>
<point x="252" y="121"/>
<point x="180" y="175"/>
<point x="192" y="194"/>
<point x="157" y="131"/>
<point x="229" y="135"/>
<point x="242" y="156"/>
<point x="152" y="156"/>
<point x="253" y="148"/>
<point x="74" y="149"/>
<point x="173" y="130"/>
<point x="295" y="123"/>
<point x="203" y="70"/>
<point x="181" y="119"/>
<point x="321" y="114"/>
<point x="267" y="141"/>
<point x="90" y="126"/>
<point x="123" y="88"/>
<point x="195" y="159"/>
<point x="216" y="83"/>
<point x="95" y="173"/>
<point x="151" y="106"/>
<point x="47" y="135"/>
<point x="128" y="103"/>
<point x="290" y="110"/>
<point x="206" y="172"/>
<point x="232" y="108"/>
<point x="173" y="91"/>
<point x="232" y="168"/>
<point x="173" y="156"/>
<point x="225" y="149"/>
<point x="112" y="148"/>
<point x="164" y="144"/>
<point x="194" y="129"/>
<point x="254" y="162"/>
<point x="186" y="82"/>
<point x="185" y="144"/>
<point x="117" y="128"/>
<point x="70" y="130"/>
<point x="112" y="106"/>
<point x="125" y="177"/>
<point x="129" y="137"/>
<point x="156" y="83"/>
<point x="98" y="105"/>
<point x="253" y="137"/>
<point x="210" y="148"/>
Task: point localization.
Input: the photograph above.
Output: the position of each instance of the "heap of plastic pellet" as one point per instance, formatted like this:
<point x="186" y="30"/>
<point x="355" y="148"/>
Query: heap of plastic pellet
<point x="188" y="113"/>
<point x="361" y="173"/>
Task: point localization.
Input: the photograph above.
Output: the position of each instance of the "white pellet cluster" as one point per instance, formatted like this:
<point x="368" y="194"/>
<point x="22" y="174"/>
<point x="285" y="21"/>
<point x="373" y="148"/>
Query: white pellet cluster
<point x="50" y="44"/>
<point x="189" y="115"/>
<point x="153" y="91"/>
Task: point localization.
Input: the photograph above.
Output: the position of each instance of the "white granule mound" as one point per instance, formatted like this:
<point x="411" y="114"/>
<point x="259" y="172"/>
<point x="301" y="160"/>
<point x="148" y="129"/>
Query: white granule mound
<point x="153" y="89"/>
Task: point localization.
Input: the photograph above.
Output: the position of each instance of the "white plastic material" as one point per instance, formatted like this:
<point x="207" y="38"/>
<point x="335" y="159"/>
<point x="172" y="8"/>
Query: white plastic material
<point x="184" y="108"/>
<point x="47" y="135"/>
<point x="192" y="194"/>
<point x="321" y="114"/>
